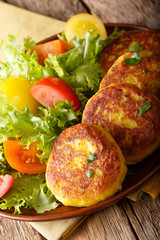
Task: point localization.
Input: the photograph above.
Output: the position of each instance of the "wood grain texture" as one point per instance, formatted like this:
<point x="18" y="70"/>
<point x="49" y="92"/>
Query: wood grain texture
<point x="142" y="12"/>
<point x="147" y="215"/>
<point x="125" y="220"/>
<point x="15" y="230"/>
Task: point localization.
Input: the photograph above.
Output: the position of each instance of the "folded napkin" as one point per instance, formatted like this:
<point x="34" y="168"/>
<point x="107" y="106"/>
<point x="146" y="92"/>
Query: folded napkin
<point x="59" y="229"/>
<point x="152" y="187"/>
<point x="13" y="20"/>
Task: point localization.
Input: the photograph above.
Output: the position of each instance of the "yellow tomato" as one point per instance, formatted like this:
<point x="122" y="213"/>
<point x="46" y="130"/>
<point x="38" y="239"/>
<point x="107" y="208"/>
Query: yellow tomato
<point x="81" y="23"/>
<point x="17" y="91"/>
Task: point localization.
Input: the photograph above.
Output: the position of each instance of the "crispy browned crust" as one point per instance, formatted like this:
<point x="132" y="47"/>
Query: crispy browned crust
<point x="67" y="166"/>
<point x="149" y="40"/>
<point x="122" y="73"/>
<point x="116" y="108"/>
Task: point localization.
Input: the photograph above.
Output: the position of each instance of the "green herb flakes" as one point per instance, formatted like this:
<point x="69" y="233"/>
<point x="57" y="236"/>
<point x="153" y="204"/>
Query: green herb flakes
<point x="90" y="173"/>
<point x="135" y="59"/>
<point x="144" y="108"/>
<point x="135" y="47"/>
<point x="145" y="70"/>
<point x="92" y="157"/>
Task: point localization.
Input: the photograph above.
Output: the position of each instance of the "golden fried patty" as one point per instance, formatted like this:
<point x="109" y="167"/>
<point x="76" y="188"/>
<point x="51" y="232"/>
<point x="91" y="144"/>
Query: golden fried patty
<point x="145" y="74"/>
<point x="116" y="108"/>
<point x="68" y="171"/>
<point x="148" y="40"/>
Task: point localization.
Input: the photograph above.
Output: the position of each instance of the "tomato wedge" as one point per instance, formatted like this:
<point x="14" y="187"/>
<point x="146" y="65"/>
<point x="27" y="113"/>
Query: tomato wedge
<point x="55" y="47"/>
<point x="51" y="89"/>
<point x="6" y="182"/>
<point x="21" y="159"/>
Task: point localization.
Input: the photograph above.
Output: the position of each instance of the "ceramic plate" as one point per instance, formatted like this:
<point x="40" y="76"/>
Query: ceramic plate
<point x="142" y="172"/>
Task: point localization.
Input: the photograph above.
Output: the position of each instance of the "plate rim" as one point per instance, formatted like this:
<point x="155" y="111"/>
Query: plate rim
<point x="100" y="205"/>
<point x="72" y="214"/>
<point x="126" y="25"/>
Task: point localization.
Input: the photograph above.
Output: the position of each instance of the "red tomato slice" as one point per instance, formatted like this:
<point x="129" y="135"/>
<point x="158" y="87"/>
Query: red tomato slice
<point x="56" y="47"/>
<point x="51" y="89"/>
<point x="6" y="182"/>
<point x="21" y="159"/>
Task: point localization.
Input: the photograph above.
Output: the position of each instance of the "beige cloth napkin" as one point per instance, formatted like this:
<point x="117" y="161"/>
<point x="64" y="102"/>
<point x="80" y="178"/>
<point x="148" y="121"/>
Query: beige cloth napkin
<point x="39" y="27"/>
<point x="152" y="187"/>
<point x="12" y="20"/>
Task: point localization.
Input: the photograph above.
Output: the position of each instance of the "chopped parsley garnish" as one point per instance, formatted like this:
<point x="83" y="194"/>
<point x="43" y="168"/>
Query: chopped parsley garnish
<point x="144" y="108"/>
<point x="90" y="173"/>
<point x="135" y="47"/>
<point x="92" y="157"/>
<point x="135" y="59"/>
<point x="144" y="70"/>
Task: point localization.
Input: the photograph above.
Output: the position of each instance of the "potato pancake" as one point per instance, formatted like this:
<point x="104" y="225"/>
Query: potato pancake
<point x="145" y="74"/>
<point x="148" y="40"/>
<point x="86" y="166"/>
<point x="117" y="109"/>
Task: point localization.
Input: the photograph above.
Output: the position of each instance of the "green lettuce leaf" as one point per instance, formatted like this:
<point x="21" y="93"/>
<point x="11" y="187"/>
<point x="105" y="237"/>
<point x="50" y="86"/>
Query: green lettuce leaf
<point x="79" y="67"/>
<point x="21" y="60"/>
<point x="29" y="191"/>
<point x="4" y="166"/>
<point x="44" y="128"/>
<point x="114" y="34"/>
<point x="42" y="199"/>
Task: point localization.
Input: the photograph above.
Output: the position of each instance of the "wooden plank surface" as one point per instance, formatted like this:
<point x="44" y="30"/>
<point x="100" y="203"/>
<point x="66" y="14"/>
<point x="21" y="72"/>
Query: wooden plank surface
<point x="142" y="12"/>
<point x="125" y="220"/>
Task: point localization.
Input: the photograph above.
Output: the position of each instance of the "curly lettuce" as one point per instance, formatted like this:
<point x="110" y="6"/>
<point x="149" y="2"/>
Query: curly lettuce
<point x="80" y="67"/>
<point x="45" y="127"/>
<point x="4" y="166"/>
<point x="21" y="60"/>
<point x="29" y="191"/>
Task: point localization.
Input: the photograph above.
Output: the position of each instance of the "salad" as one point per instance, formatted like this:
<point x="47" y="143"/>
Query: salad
<point x="41" y="94"/>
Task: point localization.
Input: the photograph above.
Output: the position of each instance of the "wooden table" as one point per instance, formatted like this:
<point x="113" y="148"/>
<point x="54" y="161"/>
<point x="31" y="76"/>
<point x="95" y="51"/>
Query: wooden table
<point x="126" y="219"/>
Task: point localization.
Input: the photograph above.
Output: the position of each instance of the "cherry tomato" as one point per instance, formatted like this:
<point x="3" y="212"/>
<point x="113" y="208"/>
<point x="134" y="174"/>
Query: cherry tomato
<point x="56" y="47"/>
<point x="51" y="89"/>
<point x="79" y="24"/>
<point x="17" y="90"/>
<point x="6" y="182"/>
<point x="21" y="159"/>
